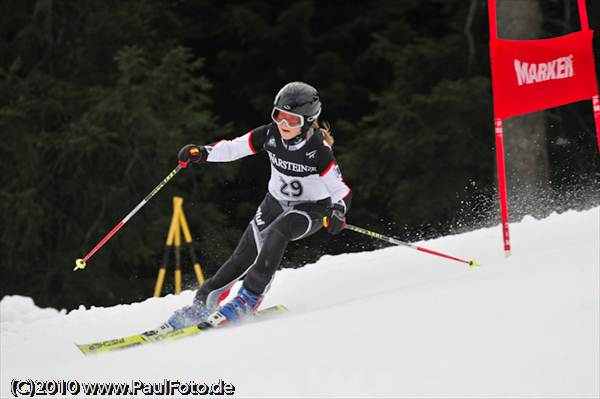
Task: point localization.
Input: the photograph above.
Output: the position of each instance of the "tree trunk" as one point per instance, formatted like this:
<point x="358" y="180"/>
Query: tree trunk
<point x="527" y="166"/>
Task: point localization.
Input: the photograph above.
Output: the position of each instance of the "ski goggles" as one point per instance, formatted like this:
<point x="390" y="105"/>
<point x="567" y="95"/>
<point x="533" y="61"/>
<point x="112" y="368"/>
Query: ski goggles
<point x="291" y="119"/>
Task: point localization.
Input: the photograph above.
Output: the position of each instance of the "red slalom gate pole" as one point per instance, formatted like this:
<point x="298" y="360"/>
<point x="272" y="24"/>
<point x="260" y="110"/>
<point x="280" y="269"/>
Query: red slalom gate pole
<point x="596" y="107"/>
<point x="471" y="263"/>
<point x="81" y="263"/>
<point x="501" y="171"/>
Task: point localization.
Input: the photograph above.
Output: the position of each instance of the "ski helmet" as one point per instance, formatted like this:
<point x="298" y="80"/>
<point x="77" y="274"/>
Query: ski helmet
<point x="298" y="98"/>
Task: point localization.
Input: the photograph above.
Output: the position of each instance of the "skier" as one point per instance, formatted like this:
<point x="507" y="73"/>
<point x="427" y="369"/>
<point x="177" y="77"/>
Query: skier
<point x="305" y="187"/>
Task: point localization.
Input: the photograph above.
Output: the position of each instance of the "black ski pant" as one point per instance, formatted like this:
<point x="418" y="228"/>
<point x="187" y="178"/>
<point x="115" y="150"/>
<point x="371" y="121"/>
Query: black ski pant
<point x="260" y="250"/>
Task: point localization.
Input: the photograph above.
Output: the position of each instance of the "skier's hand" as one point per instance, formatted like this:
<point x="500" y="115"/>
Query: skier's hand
<point x="335" y="219"/>
<point x="191" y="153"/>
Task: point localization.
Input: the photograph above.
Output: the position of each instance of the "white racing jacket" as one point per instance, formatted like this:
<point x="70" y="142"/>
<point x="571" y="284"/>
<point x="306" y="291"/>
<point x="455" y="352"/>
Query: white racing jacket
<point x="303" y="169"/>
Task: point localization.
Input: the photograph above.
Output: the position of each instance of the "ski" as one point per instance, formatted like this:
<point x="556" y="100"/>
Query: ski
<point x="161" y="334"/>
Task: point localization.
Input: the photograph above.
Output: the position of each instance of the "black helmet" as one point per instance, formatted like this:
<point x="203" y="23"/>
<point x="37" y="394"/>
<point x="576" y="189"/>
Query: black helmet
<point x="299" y="98"/>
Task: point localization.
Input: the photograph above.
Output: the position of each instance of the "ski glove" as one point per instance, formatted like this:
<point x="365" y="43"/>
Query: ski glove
<point x="335" y="219"/>
<point x="192" y="153"/>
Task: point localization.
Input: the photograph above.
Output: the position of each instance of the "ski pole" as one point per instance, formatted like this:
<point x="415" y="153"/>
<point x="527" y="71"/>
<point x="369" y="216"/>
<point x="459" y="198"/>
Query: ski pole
<point x="81" y="263"/>
<point x="471" y="263"/>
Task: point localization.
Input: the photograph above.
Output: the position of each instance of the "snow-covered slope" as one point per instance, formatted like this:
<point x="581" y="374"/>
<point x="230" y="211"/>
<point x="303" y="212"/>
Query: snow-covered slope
<point x="389" y="323"/>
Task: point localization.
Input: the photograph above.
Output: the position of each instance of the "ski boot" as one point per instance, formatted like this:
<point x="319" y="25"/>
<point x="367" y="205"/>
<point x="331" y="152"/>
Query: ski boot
<point x="189" y="316"/>
<point x="244" y="305"/>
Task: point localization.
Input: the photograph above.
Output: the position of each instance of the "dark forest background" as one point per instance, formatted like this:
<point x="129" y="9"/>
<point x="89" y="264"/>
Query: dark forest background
<point x="97" y="97"/>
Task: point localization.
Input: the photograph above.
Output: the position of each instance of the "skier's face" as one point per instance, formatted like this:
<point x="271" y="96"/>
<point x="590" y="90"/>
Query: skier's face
<point x="288" y="133"/>
<point x="288" y="123"/>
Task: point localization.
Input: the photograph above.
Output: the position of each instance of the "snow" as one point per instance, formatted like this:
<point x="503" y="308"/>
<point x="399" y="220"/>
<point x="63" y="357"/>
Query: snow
<point x="388" y="323"/>
<point x="20" y="309"/>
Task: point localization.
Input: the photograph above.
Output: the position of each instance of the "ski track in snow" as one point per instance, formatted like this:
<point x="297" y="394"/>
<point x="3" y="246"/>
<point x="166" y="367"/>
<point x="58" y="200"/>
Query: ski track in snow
<point x="389" y="323"/>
